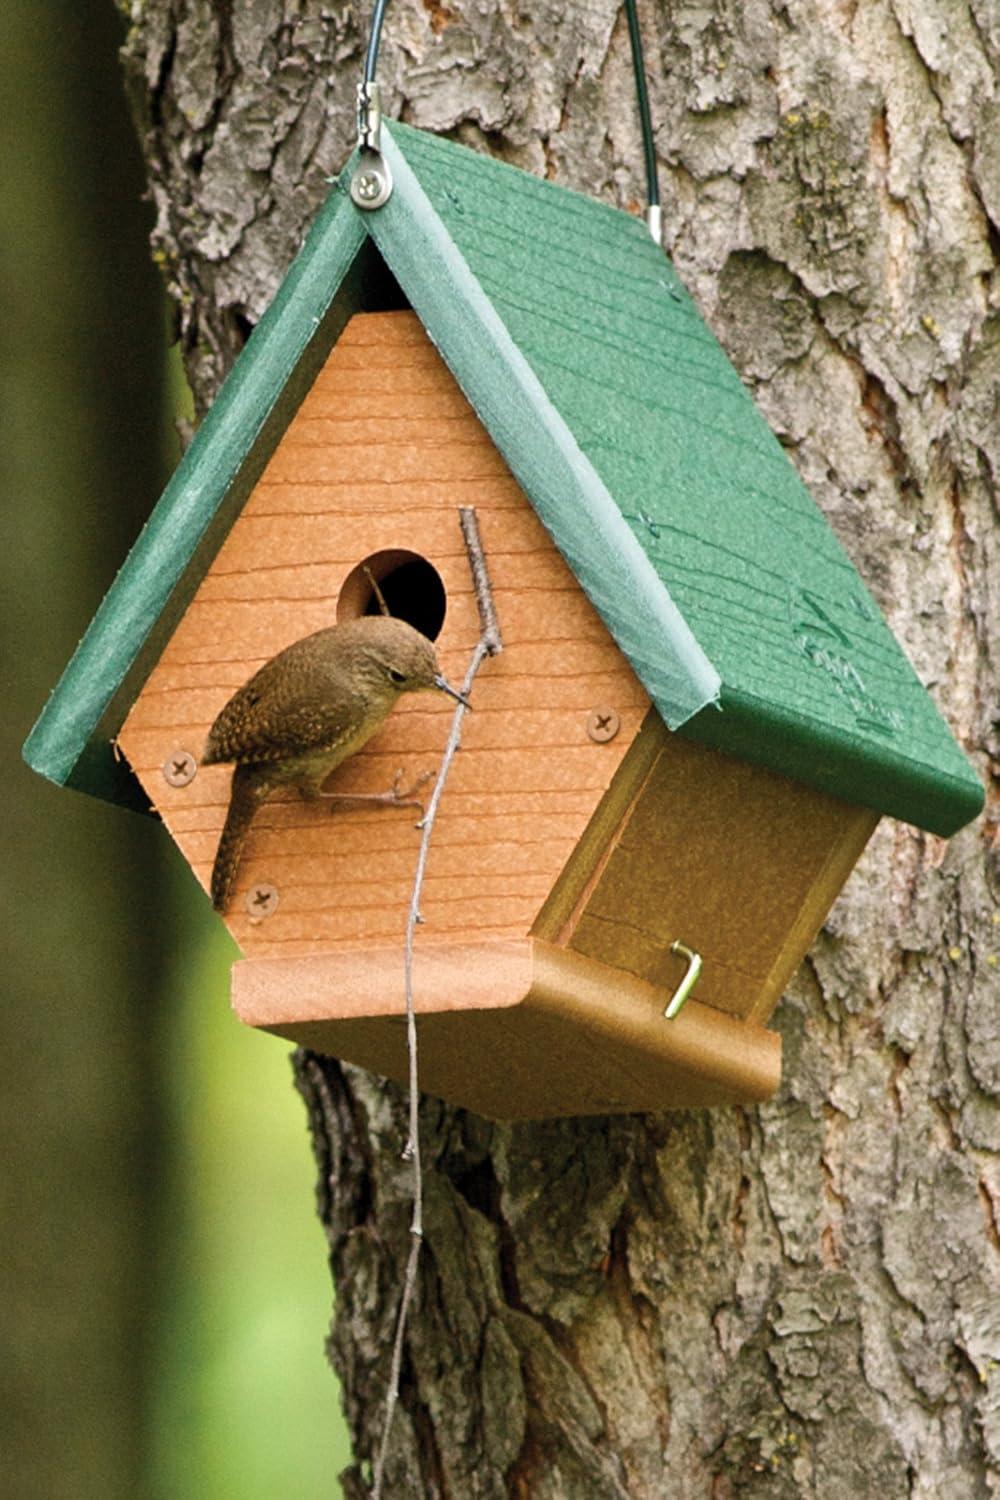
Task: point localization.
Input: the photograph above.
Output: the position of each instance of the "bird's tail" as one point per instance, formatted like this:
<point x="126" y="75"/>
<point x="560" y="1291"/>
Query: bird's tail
<point x="245" y="796"/>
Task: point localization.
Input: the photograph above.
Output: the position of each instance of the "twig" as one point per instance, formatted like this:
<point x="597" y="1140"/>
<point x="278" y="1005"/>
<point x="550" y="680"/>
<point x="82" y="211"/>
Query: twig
<point x="489" y="644"/>
<point x="489" y="626"/>
<point x="382" y="606"/>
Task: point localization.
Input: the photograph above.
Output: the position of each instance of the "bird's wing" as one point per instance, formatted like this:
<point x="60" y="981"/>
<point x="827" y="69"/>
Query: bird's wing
<point x="281" y="712"/>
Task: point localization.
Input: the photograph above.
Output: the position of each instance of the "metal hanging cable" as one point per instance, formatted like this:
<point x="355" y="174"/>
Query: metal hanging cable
<point x="369" y="107"/>
<point x="371" y="184"/>
<point x="374" y="37"/>
<point x="653" y="213"/>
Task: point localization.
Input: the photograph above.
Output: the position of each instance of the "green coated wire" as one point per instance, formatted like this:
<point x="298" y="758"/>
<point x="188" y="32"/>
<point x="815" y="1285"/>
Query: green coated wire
<point x="642" y="98"/>
<point x="374" y="36"/>
<point x="638" y="67"/>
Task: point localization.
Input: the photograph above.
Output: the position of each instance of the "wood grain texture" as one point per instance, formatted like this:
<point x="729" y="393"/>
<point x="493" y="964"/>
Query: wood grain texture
<point x="491" y="1013"/>
<point x="541" y="445"/>
<point x="345" y="482"/>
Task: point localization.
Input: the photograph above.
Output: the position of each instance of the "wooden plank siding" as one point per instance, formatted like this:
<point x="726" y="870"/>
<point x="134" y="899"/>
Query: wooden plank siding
<point x="380" y="454"/>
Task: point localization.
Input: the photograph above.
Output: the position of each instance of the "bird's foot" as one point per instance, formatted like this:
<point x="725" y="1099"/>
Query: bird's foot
<point x="396" y="796"/>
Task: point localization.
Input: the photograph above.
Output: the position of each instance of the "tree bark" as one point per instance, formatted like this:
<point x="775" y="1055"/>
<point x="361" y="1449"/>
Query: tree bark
<point x="799" y="1299"/>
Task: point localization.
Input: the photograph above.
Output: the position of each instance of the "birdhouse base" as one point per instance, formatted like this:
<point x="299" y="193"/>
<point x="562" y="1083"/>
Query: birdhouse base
<point x="515" y="1030"/>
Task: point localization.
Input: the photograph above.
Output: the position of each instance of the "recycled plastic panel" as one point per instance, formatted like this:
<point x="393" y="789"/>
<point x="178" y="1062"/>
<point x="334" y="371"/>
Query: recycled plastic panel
<point x="736" y="862"/>
<point x="513" y="1030"/>
<point x="73" y="741"/>
<point x="380" y="455"/>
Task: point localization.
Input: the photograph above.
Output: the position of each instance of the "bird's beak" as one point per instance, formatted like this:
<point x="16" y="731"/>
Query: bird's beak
<point x="446" y="687"/>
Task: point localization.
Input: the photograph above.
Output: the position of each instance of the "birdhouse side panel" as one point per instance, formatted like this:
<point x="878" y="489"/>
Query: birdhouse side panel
<point x="738" y="864"/>
<point x="379" y="457"/>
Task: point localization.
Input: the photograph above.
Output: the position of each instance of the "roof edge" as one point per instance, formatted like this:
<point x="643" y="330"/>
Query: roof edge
<point x="540" y="449"/>
<point x="831" y="761"/>
<point x="70" y="743"/>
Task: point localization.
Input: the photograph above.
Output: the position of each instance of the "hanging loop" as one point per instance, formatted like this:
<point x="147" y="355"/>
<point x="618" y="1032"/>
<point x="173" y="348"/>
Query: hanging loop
<point x="371" y="182"/>
<point x="689" y="981"/>
<point x="654" y="217"/>
<point x="377" y="182"/>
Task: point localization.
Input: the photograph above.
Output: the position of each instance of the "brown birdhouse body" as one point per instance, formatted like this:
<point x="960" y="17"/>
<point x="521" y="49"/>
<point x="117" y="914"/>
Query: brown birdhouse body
<point x="343" y="489"/>
<point x="571" y="849"/>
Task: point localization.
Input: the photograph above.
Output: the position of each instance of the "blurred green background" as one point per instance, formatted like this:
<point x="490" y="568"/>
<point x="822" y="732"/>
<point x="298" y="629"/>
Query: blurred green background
<point x="165" y="1292"/>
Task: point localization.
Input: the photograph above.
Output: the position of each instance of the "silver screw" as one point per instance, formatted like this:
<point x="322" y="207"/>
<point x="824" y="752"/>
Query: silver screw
<point x="262" y="900"/>
<point x="603" y="724"/>
<point x="371" y="185"/>
<point x="180" y="768"/>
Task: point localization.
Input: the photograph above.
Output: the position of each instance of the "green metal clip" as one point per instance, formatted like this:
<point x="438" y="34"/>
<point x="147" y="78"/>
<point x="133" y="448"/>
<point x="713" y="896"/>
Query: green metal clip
<point x="689" y="981"/>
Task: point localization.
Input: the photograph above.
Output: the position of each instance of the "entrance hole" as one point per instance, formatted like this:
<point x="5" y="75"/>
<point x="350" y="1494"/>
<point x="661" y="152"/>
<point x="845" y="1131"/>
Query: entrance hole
<point x="409" y="584"/>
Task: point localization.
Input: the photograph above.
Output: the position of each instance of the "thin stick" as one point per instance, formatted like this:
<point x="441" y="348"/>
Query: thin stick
<point x="383" y="607"/>
<point x="489" y="625"/>
<point x="489" y="644"/>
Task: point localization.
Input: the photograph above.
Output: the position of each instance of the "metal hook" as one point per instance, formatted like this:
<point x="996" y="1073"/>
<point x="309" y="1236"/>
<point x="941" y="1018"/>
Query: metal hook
<point x="689" y="981"/>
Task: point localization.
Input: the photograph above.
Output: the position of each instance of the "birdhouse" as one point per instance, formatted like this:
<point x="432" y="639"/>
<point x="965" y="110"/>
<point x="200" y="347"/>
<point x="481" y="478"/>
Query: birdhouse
<point x="697" y="719"/>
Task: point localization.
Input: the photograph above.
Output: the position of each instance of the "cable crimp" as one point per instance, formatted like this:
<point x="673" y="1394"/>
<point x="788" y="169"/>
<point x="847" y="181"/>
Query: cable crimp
<point x="369" y="117"/>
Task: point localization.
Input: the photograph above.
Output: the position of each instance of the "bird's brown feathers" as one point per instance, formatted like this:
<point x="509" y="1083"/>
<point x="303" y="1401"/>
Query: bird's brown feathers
<point x="318" y="692"/>
<point x="305" y="711"/>
<point x="289" y="706"/>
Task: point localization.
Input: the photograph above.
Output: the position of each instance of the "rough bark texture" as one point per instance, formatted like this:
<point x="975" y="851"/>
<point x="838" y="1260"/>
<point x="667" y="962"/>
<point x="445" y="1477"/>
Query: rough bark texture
<point x="800" y="1299"/>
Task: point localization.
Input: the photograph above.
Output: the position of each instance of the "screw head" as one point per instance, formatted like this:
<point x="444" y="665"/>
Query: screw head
<point x="180" y="768"/>
<point x="262" y="900"/>
<point x="603" y="724"/>
<point x="371" y="184"/>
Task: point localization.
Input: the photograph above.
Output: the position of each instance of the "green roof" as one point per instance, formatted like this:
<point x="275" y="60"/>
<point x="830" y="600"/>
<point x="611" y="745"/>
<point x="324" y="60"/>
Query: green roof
<point x="632" y="436"/>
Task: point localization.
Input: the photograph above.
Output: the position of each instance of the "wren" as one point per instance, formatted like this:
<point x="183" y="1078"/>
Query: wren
<point x="306" y="710"/>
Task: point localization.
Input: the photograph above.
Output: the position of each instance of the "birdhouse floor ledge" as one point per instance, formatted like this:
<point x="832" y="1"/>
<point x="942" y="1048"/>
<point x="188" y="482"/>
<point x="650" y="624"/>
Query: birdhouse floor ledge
<point x="513" y="1029"/>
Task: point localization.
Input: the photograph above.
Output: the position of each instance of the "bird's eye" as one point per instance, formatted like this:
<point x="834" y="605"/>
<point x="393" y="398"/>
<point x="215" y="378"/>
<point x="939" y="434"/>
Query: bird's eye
<point x="397" y="677"/>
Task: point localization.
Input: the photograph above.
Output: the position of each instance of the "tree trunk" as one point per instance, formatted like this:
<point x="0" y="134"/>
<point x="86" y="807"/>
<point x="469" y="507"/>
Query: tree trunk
<point x="799" y="1299"/>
